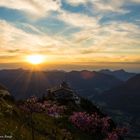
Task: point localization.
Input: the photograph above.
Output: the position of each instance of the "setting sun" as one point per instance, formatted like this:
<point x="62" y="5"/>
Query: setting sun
<point x="35" y="59"/>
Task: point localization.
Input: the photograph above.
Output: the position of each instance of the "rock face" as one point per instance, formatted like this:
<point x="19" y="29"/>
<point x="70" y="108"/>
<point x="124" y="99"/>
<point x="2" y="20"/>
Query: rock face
<point x="63" y="92"/>
<point x="3" y="91"/>
<point x="2" y="87"/>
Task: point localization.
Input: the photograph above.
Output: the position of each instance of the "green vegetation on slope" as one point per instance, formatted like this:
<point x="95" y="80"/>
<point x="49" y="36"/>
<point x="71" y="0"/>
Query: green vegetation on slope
<point x="44" y="119"/>
<point x="16" y="123"/>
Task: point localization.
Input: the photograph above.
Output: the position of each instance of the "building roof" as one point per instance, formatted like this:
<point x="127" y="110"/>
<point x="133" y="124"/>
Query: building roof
<point x="63" y="91"/>
<point x="62" y="87"/>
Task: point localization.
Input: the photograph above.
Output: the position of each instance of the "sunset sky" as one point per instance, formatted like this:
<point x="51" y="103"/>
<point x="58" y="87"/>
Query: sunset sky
<point x="71" y="34"/>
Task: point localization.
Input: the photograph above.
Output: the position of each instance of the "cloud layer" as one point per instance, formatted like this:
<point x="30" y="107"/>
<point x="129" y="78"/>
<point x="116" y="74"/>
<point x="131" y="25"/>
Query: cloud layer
<point x="71" y="31"/>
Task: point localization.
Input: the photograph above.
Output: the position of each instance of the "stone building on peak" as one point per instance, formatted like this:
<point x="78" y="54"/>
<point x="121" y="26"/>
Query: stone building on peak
<point x="63" y="93"/>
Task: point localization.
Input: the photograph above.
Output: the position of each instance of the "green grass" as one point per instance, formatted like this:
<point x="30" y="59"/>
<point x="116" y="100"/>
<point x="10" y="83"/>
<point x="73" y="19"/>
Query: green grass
<point x="16" y="123"/>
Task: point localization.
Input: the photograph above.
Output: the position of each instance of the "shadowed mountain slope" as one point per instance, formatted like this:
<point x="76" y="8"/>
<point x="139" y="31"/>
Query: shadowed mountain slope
<point x="125" y="97"/>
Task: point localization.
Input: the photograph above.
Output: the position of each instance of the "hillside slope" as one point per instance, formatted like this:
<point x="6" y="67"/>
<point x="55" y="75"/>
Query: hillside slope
<point x="18" y="121"/>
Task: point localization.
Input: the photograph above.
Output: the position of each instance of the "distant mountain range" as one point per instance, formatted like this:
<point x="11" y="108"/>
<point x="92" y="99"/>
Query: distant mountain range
<point x="91" y="84"/>
<point x="120" y="74"/>
<point x="124" y="97"/>
<point x="24" y="83"/>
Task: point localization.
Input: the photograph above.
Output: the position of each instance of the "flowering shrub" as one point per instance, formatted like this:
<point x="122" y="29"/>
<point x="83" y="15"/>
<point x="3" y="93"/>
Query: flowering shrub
<point x="112" y="136"/>
<point x="56" y="111"/>
<point x="90" y="123"/>
<point x="116" y="133"/>
<point x="94" y="123"/>
<point x="50" y="108"/>
<point x="31" y="105"/>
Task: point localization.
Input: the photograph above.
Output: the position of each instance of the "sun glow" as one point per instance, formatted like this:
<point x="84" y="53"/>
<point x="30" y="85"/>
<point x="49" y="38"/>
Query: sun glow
<point x="35" y="59"/>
